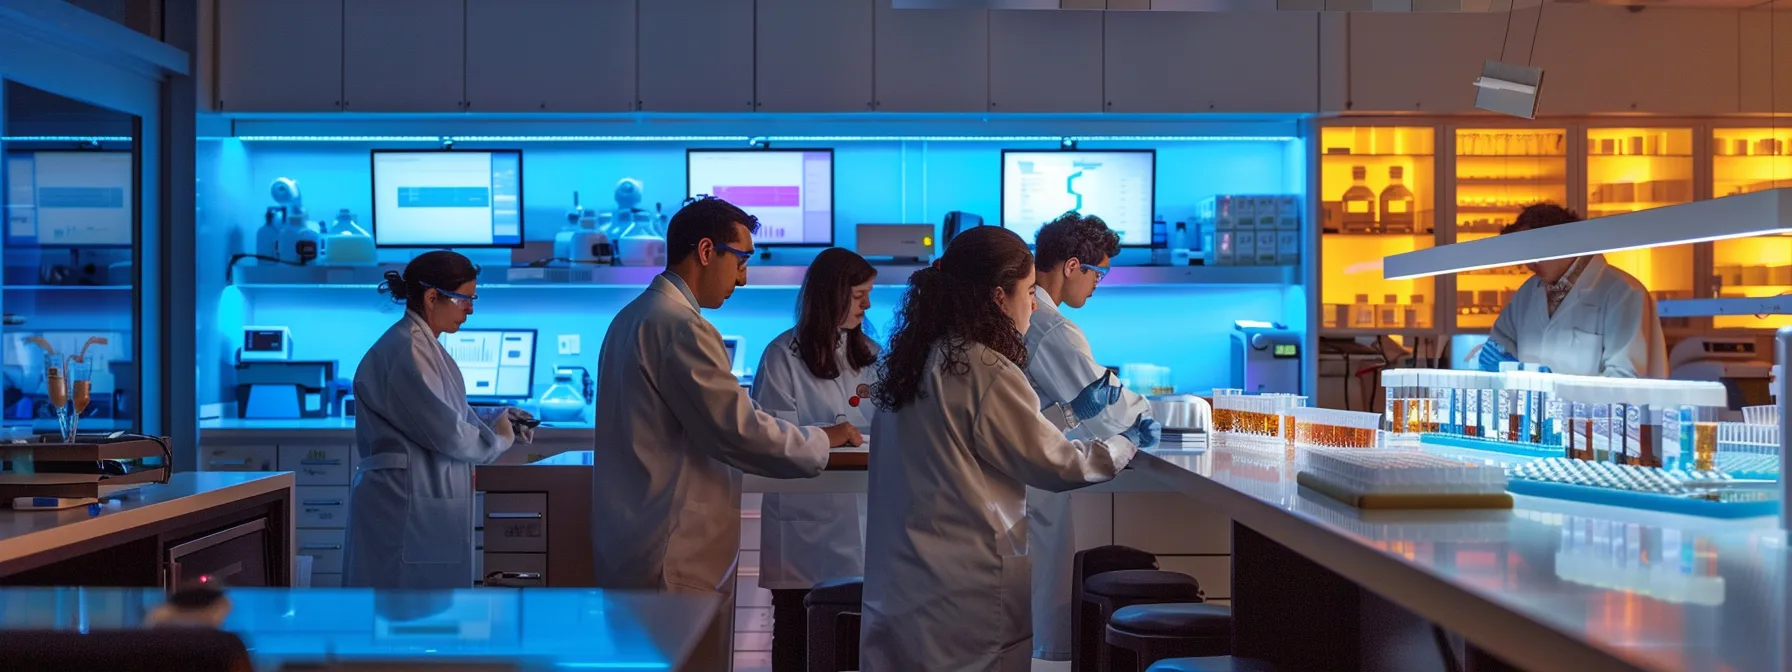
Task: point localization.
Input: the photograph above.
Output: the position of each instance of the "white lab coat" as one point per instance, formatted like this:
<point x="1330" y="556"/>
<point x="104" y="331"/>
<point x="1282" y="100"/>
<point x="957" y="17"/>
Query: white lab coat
<point x="1606" y="326"/>
<point x="809" y="538"/>
<point x="675" y="432"/>
<point x="1060" y="364"/>
<point x="946" y="572"/>
<point x="410" y="515"/>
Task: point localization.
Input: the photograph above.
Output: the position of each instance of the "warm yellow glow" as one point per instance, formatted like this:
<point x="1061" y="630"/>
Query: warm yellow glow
<point x="1351" y="261"/>
<point x="1632" y="169"/>
<point x="1747" y="160"/>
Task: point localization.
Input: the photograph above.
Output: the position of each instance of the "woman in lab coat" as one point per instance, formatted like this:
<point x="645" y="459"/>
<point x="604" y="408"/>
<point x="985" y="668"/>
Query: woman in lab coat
<point x="817" y="374"/>
<point x="410" y="521"/>
<point x="958" y="438"/>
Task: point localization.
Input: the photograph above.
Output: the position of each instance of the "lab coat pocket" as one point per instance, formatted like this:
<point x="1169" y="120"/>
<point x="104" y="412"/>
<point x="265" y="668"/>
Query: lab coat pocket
<point x="438" y="530"/>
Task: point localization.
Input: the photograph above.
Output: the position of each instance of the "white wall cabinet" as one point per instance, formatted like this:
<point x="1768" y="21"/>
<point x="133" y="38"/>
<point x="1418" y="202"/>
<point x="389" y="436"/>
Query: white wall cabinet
<point x="550" y="56"/>
<point x="425" y="72"/>
<point x="1042" y="61"/>
<point x="813" y="55"/>
<point x="932" y="60"/>
<point x="1659" y="60"/>
<point x="696" y="56"/>
<point x="1169" y="62"/>
<point x="279" y="56"/>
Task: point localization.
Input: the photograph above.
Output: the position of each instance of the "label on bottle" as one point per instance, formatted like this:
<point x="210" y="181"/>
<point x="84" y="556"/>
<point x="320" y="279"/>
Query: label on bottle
<point x="1634" y="435"/>
<point x="1356" y="207"/>
<point x="1471" y="412"/>
<point x="1446" y="410"/>
<point x="1397" y="206"/>
<point x="1489" y="409"/>
<point x="1507" y="406"/>
<point x="1602" y="427"/>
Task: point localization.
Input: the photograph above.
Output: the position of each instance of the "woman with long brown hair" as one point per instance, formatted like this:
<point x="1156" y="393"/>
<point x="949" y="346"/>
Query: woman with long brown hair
<point x="960" y="436"/>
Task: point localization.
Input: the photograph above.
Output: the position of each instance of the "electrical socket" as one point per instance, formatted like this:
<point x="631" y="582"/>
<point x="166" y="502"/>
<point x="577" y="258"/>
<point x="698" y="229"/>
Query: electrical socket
<point x="569" y="345"/>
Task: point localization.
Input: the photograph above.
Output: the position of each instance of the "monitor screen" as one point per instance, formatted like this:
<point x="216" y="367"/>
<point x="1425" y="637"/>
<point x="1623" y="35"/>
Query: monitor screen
<point x="1117" y="186"/>
<point x="448" y="198"/>
<point x="791" y="191"/>
<point x="495" y="363"/>
<point x="80" y="199"/>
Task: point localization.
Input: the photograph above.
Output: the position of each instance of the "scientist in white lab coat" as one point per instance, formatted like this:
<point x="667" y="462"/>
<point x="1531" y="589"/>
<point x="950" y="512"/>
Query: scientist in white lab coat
<point x="677" y="430"/>
<point x="410" y="512"/>
<point x="959" y="437"/>
<point x="1071" y="255"/>
<point x="819" y="373"/>
<point x="1578" y="316"/>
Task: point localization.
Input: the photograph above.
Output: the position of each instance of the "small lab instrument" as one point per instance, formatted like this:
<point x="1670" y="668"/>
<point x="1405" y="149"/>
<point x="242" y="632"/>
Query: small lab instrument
<point x="957" y="222"/>
<point x="498" y="365"/>
<point x="589" y="243"/>
<point x="569" y="397"/>
<point x="902" y="243"/>
<point x="286" y="390"/>
<point x="1738" y="363"/>
<point x="628" y="209"/>
<point x="1037" y="184"/>
<point x="791" y="191"/>
<point x="459" y="198"/>
<point x="563" y="247"/>
<point x="1266" y="357"/>
<point x="266" y="344"/>
<point x="295" y="242"/>
<point x="1248" y="230"/>
<point x="348" y="244"/>
<point x="640" y="246"/>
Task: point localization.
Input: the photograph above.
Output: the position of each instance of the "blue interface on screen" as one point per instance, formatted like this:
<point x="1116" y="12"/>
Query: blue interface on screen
<point x="447" y="199"/>
<point x="69" y="198"/>
<point x="1115" y="186"/>
<point x="790" y="191"/>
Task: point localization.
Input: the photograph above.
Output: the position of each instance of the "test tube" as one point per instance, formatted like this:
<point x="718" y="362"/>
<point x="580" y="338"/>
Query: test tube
<point x="1601" y="443"/>
<point x="1704" y="445"/>
<point x="1580" y="432"/>
<point x="1471" y="406"/>
<point x="1647" y="430"/>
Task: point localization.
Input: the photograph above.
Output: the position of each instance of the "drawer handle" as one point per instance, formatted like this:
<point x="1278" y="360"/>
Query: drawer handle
<point x="514" y="576"/>
<point x="514" y="516"/>
<point x="229" y="463"/>
<point x="320" y="547"/>
<point x="321" y="463"/>
<point x="322" y="502"/>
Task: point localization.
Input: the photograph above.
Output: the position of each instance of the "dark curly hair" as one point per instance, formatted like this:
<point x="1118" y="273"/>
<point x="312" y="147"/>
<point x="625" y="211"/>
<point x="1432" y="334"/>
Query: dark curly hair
<point x="951" y="304"/>
<point x="1074" y="235"/>
<point x="1541" y="216"/>
<point x="704" y="217"/>
<point x="825" y="299"/>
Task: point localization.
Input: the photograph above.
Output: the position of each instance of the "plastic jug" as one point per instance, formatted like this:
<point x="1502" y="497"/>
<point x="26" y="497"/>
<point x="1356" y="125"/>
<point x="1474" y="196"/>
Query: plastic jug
<point x="562" y="402"/>
<point x="348" y="244"/>
<point x="640" y="247"/>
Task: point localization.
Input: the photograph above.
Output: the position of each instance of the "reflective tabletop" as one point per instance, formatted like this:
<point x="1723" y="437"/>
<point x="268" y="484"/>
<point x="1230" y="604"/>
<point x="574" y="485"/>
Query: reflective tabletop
<point x="534" y="629"/>
<point x="1549" y="580"/>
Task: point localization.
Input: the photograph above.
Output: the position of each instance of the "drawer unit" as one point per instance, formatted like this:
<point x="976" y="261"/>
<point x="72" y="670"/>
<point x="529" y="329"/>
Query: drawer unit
<point x="516" y="522"/>
<point x="317" y="464"/>
<point x="326" y="580"/>
<point x="239" y="458"/>
<point x="322" y="506"/>
<point x="325" y="546"/>
<point x="515" y="570"/>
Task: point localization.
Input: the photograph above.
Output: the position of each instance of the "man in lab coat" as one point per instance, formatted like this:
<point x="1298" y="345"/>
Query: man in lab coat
<point x="677" y="430"/>
<point x="1578" y="315"/>
<point x="1071" y="255"/>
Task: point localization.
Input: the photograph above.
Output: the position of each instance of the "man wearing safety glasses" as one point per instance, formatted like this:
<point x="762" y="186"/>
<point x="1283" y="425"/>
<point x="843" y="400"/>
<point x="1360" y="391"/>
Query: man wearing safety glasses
<point x="675" y="429"/>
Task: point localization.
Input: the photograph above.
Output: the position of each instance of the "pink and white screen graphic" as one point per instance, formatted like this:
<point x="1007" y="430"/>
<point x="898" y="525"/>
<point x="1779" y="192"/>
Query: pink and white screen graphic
<point x="790" y="191"/>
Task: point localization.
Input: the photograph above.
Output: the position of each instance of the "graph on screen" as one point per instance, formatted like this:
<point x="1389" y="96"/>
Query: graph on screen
<point x="1117" y="186"/>
<point x="791" y="191"/>
<point x="494" y="363"/>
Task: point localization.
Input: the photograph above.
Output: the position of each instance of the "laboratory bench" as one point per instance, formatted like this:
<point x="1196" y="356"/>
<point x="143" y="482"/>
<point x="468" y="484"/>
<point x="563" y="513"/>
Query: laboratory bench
<point x="1547" y="585"/>
<point x="540" y="629"/>
<point x="198" y="525"/>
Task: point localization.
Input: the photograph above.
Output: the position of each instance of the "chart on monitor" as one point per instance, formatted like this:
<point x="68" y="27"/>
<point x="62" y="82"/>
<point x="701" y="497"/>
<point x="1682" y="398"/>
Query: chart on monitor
<point x="791" y="191"/>
<point x="495" y="364"/>
<point x="1116" y="186"/>
<point x="448" y="199"/>
<point x="77" y="199"/>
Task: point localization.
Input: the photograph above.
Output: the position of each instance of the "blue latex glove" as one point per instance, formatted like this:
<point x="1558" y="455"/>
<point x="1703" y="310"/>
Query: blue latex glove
<point x="1146" y="433"/>
<point x="1492" y="354"/>
<point x="1095" y="398"/>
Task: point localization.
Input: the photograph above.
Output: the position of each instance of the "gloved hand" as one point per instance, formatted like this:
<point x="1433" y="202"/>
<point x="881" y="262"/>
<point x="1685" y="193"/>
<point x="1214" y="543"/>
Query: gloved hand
<point x="522" y="422"/>
<point x="1095" y="398"/>
<point x="1145" y="433"/>
<point x="1492" y="354"/>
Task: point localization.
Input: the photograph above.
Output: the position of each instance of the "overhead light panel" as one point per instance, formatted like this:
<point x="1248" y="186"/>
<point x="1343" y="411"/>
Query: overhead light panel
<point x="1508" y="89"/>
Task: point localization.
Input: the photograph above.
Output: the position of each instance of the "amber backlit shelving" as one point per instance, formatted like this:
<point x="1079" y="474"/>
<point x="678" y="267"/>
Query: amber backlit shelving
<point x="1499" y="171"/>
<point x="1377" y="200"/>
<point x="1632" y="169"/>
<point x="1745" y="160"/>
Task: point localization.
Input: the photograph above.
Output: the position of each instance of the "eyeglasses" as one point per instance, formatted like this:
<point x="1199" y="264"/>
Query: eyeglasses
<point x="465" y="301"/>
<point x="1100" y="272"/>
<point x="744" y="255"/>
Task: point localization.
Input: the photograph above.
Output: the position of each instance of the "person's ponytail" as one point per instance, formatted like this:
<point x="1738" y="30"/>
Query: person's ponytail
<point x="394" y="287"/>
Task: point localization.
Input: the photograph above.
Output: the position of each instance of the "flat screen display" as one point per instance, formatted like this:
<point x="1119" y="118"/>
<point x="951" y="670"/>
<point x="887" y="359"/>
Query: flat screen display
<point x="77" y="199"/>
<point x="1117" y="186"/>
<point x="454" y="198"/>
<point x="494" y="363"/>
<point x="791" y="191"/>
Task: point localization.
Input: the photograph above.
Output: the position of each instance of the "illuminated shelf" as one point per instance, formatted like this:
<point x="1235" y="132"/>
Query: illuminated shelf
<point x="1359" y="332"/>
<point x="1749" y="306"/>
<point x="1349" y="261"/>
<point x="1751" y="160"/>
<point x="66" y="288"/>
<point x="764" y="277"/>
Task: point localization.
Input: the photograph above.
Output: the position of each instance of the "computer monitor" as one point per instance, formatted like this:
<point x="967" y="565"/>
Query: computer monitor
<point x="70" y="199"/>
<point x="458" y="198"/>
<point x="791" y="191"/>
<point x="1119" y="186"/>
<point x="497" y="364"/>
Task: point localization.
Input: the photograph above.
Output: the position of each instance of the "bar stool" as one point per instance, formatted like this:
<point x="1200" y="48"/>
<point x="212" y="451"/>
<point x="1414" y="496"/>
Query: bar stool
<point x="1143" y="634"/>
<point x="1211" y="664"/>
<point x="1109" y="578"/>
<point x="833" y="607"/>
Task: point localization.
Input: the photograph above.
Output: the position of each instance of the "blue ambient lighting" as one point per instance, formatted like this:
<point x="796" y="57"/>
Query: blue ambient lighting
<point x="65" y="138"/>
<point x="762" y="139"/>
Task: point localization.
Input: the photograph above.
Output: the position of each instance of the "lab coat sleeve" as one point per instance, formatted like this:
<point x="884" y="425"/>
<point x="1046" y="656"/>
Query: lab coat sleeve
<point x="432" y="417"/>
<point x="1505" y="327"/>
<point x="1013" y="437"/>
<point x="1630" y="332"/>
<point x="722" y="422"/>
<point x="1063" y="364"/>
<point x="774" y="382"/>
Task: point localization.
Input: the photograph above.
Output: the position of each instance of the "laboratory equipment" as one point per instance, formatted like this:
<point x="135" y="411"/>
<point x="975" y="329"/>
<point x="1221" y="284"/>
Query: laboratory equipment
<point x="266" y="344"/>
<point x="456" y="198"/>
<point x="628" y="209"/>
<point x="1117" y="185"/>
<point x="286" y="390"/>
<point x="267" y="237"/>
<point x="1402" y="479"/>
<point x="1262" y="424"/>
<point x="1737" y="363"/>
<point x="1331" y="428"/>
<point x="74" y="199"/>
<point x="498" y="365"/>
<point x="347" y="244"/>
<point x="570" y="395"/>
<point x="957" y="222"/>
<point x="585" y="238"/>
<point x="791" y="191"/>
<point x="294" y="240"/>
<point x="1246" y="230"/>
<point x="93" y="467"/>
<point x="1397" y="205"/>
<point x="1359" y="204"/>
<point x="639" y="245"/>
<point x="1265" y="357"/>
<point x="1694" y="492"/>
<point x="909" y="243"/>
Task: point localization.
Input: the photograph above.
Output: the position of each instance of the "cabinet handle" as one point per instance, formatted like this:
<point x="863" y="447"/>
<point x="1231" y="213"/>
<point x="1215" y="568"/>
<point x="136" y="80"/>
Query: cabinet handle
<point x="320" y="547"/>
<point x="515" y="576"/>
<point x="228" y="463"/>
<point x="320" y="463"/>
<point x="514" y="516"/>
<point x="321" y="502"/>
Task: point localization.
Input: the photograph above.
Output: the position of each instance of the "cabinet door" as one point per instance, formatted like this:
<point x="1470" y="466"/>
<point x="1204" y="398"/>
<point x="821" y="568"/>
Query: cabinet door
<point x="813" y="55"/>
<point x="1212" y="62"/>
<point x="551" y="55"/>
<point x="932" y="60"/>
<point x="279" y="56"/>
<point x="1043" y="61"/>
<point x="404" y="55"/>
<point x="1422" y="61"/>
<point x="1665" y="60"/>
<point x="696" y="55"/>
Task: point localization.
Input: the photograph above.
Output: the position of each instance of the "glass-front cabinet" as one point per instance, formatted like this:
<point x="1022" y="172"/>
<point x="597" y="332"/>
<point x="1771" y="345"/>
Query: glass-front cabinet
<point x="1377" y="199"/>
<point x="1746" y="160"/>
<point x="1499" y="171"/>
<point x="1631" y="169"/>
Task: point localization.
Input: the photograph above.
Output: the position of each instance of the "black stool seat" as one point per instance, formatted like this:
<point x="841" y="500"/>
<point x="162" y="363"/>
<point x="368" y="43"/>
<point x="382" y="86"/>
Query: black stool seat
<point x="1130" y="585"/>
<point x="1211" y="664"/>
<point x="845" y="591"/>
<point x="1177" y="619"/>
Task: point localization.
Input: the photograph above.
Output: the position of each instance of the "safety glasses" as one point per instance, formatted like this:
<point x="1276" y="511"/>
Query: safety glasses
<point x="743" y="255"/>
<point x="1100" y="273"/>
<point x="465" y="301"/>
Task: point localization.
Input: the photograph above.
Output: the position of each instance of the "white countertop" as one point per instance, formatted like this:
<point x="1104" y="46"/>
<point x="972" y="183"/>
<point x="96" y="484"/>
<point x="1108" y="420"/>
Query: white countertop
<point x="1548" y="585"/>
<point x="27" y="533"/>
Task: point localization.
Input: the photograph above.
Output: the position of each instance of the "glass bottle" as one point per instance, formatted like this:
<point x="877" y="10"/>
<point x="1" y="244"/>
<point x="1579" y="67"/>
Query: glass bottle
<point x="1359" y="203"/>
<point x="1397" y="204"/>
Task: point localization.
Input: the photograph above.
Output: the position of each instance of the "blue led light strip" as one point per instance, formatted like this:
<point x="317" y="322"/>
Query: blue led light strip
<point x="764" y="139"/>
<point x="65" y="138"/>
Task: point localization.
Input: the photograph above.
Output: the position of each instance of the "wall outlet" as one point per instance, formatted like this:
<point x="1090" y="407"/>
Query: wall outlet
<point x="569" y="345"/>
